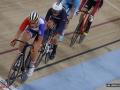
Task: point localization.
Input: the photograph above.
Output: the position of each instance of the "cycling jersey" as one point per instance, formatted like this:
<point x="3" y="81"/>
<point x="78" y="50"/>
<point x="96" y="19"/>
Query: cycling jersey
<point x="91" y="3"/>
<point x="71" y="4"/>
<point x="60" y="19"/>
<point x="97" y="4"/>
<point x="39" y="28"/>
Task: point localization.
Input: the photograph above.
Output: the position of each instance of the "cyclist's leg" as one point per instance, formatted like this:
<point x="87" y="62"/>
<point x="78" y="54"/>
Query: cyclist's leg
<point x="55" y="44"/>
<point x="70" y="13"/>
<point x="88" y="5"/>
<point x="86" y="8"/>
<point x="91" y="17"/>
<point x="32" y="34"/>
<point x="60" y="38"/>
<point x="66" y="6"/>
<point x="27" y="35"/>
<point x="50" y="23"/>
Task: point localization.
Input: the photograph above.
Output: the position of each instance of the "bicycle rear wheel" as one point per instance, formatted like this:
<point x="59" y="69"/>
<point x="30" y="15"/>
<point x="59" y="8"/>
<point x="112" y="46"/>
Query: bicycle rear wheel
<point x="76" y="34"/>
<point x="39" y="59"/>
<point x="15" y="70"/>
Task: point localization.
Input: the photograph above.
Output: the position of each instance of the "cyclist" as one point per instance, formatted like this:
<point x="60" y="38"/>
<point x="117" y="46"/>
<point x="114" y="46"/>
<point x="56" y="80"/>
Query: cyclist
<point x="89" y="5"/>
<point x="32" y="26"/>
<point x="72" y="7"/>
<point x="56" y="16"/>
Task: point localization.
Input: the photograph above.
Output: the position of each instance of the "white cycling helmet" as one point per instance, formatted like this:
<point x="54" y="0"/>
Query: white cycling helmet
<point x="57" y="7"/>
<point x="33" y="17"/>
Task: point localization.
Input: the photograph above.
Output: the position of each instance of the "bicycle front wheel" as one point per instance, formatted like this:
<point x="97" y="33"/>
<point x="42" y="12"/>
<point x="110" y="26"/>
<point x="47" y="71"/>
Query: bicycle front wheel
<point x="15" y="70"/>
<point x="75" y="34"/>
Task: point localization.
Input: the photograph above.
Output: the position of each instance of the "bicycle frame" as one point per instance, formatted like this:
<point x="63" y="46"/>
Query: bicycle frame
<point x="84" y="22"/>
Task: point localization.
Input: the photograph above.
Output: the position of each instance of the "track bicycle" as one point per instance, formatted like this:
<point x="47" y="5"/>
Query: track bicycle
<point x="47" y="47"/>
<point x="20" y="65"/>
<point x="81" y="27"/>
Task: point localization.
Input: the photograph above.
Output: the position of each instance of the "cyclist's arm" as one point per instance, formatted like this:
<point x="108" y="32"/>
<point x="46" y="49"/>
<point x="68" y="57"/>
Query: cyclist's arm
<point x="48" y="14"/>
<point x="62" y="23"/>
<point x="18" y="34"/>
<point x="72" y="13"/>
<point x="22" y="28"/>
<point x="83" y="2"/>
<point x="41" y="32"/>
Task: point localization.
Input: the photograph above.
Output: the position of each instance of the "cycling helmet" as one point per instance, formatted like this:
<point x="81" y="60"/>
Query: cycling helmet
<point x="33" y="17"/>
<point x="57" y="7"/>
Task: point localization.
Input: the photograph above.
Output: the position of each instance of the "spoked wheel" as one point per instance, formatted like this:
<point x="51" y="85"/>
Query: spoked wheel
<point x="47" y="57"/>
<point x="15" y="70"/>
<point x="75" y="34"/>
<point x="81" y="38"/>
<point x="39" y="59"/>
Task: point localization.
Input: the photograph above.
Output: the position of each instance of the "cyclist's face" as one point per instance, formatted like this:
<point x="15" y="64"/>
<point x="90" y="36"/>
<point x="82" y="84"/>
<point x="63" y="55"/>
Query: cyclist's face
<point x="55" y="12"/>
<point x="33" y="24"/>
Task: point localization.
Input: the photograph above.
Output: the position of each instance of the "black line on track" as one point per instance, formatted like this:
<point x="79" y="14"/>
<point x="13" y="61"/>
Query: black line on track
<point x="70" y="57"/>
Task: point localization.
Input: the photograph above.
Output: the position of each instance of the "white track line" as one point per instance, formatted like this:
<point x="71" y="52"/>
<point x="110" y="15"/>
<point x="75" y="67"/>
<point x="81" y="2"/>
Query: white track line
<point x="3" y="85"/>
<point x="20" y="4"/>
<point x="112" y="5"/>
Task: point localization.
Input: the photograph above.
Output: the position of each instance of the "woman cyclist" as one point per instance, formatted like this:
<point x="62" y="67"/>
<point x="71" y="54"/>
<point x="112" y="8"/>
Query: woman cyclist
<point x="32" y="26"/>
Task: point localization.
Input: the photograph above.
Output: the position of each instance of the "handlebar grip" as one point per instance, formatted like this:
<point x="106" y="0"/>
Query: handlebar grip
<point x="20" y="41"/>
<point x="29" y="45"/>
